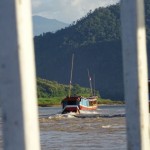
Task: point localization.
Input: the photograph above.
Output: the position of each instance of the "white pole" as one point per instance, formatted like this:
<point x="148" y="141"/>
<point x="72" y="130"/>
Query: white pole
<point x="71" y="75"/>
<point x="135" y="74"/>
<point x="17" y="77"/>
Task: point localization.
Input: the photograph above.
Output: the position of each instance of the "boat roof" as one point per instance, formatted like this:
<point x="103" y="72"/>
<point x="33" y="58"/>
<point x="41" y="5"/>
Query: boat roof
<point x="92" y="97"/>
<point x="72" y="98"/>
<point x="77" y="98"/>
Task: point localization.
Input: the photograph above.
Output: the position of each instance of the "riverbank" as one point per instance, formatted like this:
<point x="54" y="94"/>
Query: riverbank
<point x="56" y="101"/>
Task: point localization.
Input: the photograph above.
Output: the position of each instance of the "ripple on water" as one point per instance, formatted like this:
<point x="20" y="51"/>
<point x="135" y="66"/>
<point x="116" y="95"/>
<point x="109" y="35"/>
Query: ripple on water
<point x="87" y="131"/>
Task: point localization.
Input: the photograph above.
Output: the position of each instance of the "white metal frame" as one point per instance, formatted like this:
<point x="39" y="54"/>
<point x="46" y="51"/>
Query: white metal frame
<point x="135" y="74"/>
<point x="17" y="77"/>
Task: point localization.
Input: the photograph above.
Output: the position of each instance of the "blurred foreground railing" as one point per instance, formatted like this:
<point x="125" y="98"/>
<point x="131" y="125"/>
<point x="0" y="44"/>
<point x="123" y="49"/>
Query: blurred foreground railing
<point x="17" y="77"/>
<point x="135" y="74"/>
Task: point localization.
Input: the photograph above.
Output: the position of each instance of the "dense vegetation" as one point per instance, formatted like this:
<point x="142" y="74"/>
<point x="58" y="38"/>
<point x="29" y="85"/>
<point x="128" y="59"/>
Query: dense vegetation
<point x="49" y="89"/>
<point x="96" y="41"/>
<point x="52" y="92"/>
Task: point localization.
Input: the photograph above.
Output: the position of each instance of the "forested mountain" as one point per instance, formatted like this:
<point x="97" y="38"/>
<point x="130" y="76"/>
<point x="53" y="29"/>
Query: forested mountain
<point x="41" y="25"/>
<point x="95" y="41"/>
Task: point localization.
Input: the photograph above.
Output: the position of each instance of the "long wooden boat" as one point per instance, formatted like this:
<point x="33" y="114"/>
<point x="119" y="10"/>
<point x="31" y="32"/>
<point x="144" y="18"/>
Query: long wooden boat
<point x="77" y="103"/>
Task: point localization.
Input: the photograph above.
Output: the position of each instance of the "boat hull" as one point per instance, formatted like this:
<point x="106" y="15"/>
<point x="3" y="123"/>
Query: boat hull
<point x="71" y="108"/>
<point x="88" y="108"/>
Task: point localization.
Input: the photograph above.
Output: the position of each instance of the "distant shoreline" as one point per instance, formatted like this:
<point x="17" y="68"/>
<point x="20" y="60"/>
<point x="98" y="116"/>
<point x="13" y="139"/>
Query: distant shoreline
<point x="59" y="105"/>
<point x="56" y="101"/>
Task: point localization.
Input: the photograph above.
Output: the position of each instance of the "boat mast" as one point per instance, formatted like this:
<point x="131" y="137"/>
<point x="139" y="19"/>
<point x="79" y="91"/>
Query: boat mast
<point x="71" y="75"/>
<point x="90" y="82"/>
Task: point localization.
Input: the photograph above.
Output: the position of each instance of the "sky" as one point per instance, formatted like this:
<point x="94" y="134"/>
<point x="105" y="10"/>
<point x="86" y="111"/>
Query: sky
<point x="67" y="10"/>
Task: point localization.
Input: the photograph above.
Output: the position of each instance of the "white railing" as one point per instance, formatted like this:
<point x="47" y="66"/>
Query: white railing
<point x="135" y="74"/>
<point x="17" y="77"/>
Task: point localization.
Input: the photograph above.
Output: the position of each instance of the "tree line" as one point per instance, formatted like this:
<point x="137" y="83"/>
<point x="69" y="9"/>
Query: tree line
<point x="49" y="89"/>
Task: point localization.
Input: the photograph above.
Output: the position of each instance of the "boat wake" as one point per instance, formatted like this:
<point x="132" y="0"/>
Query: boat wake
<point x="99" y="115"/>
<point x="84" y="114"/>
<point x="60" y="116"/>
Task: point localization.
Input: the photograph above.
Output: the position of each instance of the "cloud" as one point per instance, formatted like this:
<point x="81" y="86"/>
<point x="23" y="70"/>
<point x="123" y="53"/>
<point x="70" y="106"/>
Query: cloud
<point x="67" y="10"/>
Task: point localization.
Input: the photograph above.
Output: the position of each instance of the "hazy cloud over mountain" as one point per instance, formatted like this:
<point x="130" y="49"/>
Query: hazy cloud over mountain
<point x="67" y="10"/>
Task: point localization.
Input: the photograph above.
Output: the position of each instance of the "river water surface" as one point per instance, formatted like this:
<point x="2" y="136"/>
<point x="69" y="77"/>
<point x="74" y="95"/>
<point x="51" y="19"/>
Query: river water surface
<point x="103" y="129"/>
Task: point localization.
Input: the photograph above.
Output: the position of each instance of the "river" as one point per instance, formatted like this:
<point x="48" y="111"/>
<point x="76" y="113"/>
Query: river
<point x="103" y="129"/>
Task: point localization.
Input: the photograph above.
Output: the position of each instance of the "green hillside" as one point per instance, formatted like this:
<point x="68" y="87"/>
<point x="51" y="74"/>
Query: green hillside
<point x="50" y="89"/>
<point x="101" y="25"/>
<point x="52" y="93"/>
<point x="95" y="41"/>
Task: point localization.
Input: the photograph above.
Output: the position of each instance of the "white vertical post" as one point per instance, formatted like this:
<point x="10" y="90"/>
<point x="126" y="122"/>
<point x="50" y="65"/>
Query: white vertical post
<point x="17" y="77"/>
<point x="135" y="74"/>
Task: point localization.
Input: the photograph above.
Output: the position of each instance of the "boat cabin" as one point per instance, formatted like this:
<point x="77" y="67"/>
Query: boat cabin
<point x="73" y="100"/>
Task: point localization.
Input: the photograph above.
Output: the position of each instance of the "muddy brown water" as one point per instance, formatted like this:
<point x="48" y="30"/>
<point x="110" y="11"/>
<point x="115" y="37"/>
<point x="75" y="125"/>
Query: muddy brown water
<point x="103" y="129"/>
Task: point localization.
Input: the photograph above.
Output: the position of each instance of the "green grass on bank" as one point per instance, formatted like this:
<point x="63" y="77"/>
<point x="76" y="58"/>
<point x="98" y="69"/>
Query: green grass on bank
<point x="109" y="102"/>
<point x="49" y="101"/>
<point x="45" y="102"/>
